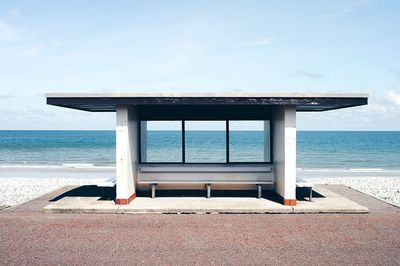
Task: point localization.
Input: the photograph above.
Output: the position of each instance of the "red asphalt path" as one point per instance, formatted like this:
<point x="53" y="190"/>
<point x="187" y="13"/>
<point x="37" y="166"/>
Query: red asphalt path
<point x="32" y="237"/>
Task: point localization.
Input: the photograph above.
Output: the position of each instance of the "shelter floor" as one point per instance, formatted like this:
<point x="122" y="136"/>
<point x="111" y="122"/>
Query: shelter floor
<point x="83" y="200"/>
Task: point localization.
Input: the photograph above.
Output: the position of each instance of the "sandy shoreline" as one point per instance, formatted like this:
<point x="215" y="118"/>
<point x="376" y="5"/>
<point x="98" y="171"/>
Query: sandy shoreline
<point x="14" y="191"/>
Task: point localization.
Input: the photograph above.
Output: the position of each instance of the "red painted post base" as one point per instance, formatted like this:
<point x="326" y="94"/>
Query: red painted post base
<point x="125" y="201"/>
<point x="289" y="202"/>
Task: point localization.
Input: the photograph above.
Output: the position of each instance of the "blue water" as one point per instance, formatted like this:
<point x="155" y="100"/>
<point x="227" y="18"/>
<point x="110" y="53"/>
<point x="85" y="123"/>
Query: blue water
<point x="315" y="149"/>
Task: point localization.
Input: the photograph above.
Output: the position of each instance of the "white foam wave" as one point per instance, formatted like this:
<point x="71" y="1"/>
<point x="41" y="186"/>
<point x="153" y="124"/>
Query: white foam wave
<point x="351" y="170"/>
<point x="62" y="166"/>
<point x="366" y="169"/>
<point x="78" y="165"/>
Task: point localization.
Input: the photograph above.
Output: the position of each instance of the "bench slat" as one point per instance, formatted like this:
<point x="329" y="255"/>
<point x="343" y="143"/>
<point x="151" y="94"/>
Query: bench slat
<point x="107" y="183"/>
<point x="193" y="169"/>
<point x="203" y="182"/>
<point x="303" y="183"/>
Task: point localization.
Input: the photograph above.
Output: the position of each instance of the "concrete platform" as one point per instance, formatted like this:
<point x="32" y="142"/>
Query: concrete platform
<point x="325" y="201"/>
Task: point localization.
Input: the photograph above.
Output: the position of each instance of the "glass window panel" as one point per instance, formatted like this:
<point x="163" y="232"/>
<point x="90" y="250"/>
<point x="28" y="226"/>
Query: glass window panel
<point x="249" y="141"/>
<point x="205" y="141"/>
<point x="161" y="141"/>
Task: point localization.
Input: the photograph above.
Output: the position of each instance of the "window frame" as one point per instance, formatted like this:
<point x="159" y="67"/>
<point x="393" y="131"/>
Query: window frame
<point x="183" y="145"/>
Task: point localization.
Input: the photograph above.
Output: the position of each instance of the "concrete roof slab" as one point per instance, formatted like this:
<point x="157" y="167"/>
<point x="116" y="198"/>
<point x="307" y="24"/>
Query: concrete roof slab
<point x="108" y="102"/>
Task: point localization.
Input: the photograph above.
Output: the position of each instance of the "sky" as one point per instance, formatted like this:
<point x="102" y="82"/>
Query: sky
<point x="198" y="46"/>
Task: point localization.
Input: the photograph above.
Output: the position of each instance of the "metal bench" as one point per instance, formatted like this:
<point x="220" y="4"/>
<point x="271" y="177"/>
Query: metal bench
<point x="111" y="182"/>
<point x="304" y="183"/>
<point x="107" y="183"/>
<point x="206" y="174"/>
<point x="208" y="183"/>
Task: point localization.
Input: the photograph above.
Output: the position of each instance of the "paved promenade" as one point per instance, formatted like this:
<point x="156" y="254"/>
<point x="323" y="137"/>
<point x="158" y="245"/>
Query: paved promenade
<point x="28" y="236"/>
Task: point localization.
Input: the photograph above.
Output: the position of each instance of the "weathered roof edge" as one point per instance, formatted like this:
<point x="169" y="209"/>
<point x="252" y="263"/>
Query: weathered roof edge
<point x="206" y="95"/>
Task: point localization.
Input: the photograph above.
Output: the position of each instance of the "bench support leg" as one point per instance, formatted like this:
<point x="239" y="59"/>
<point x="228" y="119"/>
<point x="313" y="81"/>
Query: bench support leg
<point x="310" y="198"/>
<point x="208" y="191"/>
<point x="153" y="190"/>
<point x="259" y="189"/>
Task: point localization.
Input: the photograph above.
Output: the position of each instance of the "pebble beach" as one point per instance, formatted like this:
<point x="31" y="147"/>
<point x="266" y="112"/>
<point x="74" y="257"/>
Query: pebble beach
<point x="14" y="191"/>
<point x="383" y="188"/>
<point x="33" y="163"/>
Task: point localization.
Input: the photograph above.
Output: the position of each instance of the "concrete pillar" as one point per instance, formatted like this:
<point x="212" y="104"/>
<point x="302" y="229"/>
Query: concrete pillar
<point x="267" y="141"/>
<point x="143" y="140"/>
<point x="284" y="152"/>
<point x="126" y="154"/>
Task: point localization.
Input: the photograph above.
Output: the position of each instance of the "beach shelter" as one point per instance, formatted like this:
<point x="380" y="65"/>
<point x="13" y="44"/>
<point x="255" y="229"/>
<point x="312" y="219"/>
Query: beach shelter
<point x="138" y="166"/>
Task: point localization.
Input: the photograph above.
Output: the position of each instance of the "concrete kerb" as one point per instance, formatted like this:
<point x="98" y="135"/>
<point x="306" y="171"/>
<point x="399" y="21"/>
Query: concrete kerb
<point x="198" y="212"/>
<point x="159" y="212"/>
<point x="329" y="203"/>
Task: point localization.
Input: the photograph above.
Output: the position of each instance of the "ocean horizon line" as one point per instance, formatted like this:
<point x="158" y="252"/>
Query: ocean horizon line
<point x="71" y="165"/>
<point x="110" y="130"/>
<point x="331" y="149"/>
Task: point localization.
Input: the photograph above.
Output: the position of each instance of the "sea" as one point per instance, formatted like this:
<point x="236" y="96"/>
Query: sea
<point x="24" y="153"/>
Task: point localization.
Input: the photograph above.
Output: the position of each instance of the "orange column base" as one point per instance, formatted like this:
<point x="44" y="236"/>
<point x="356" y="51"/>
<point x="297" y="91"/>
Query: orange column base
<point x="125" y="201"/>
<point x="289" y="202"/>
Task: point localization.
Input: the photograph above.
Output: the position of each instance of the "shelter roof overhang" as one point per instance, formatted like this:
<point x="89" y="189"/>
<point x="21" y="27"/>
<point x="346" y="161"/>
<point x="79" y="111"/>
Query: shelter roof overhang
<point x="304" y="102"/>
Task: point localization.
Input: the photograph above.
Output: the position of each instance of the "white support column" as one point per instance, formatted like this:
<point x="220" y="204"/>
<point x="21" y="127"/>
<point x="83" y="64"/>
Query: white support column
<point x="143" y="140"/>
<point x="126" y="154"/>
<point x="284" y="153"/>
<point x="267" y="141"/>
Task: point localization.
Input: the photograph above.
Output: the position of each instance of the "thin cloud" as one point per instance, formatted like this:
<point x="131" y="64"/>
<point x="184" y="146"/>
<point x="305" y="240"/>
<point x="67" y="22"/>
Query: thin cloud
<point x="396" y="72"/>
<point x="350" y="7"/>
<point x="258" y="42"/>
<point x="28" y="113"/>
<point x="394" y="97"/>
<point x="32" y="51"/>
<point x="8" y="33"/>
<point x="307" y="74"/>
<point x="39" y="112"/>
<point x="345" y="9"/>
<point x="6" y="96"/>
<point x="373" y="108"/>
<point x="11" y="35"/>
<point x="14" y="13"/>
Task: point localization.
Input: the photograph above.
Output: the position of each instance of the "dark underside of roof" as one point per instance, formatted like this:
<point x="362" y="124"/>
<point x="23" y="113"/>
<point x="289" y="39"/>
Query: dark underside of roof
<point x="210" y="107"/>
